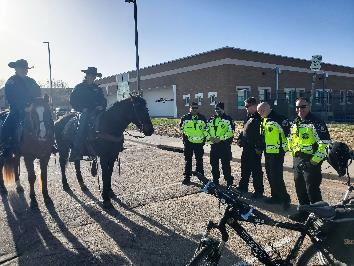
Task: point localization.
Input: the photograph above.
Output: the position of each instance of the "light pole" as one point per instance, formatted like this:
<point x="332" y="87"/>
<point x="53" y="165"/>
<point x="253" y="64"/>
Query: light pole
<point x="136" y="44"/>
<point x="50" y="76"/>
<point x="277" y="72"/>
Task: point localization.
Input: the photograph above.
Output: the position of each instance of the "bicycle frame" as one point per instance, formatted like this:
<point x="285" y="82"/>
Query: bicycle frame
<point x="232" y="219"/>
<point x="239" y="211"/>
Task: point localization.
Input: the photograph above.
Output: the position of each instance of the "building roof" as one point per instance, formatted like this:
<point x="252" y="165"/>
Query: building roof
<point x="232" y="53"/>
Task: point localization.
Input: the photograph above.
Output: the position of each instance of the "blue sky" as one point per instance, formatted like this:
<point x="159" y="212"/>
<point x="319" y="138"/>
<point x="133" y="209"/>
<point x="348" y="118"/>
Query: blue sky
<point x="101" y="32"/>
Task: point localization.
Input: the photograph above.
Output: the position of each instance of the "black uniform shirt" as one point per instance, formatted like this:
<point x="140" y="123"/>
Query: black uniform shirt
<point x="250" y="136"/>
<point x="21" y="91"/>
<point x="87" y="96"/>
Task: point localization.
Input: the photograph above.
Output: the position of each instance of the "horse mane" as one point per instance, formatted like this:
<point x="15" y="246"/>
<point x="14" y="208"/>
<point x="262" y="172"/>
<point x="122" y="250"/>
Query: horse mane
<point x="125" y="102"/>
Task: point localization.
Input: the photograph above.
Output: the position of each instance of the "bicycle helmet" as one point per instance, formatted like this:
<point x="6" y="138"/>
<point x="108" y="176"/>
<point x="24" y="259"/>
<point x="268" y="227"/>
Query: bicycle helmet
<point x="339" y="157"/>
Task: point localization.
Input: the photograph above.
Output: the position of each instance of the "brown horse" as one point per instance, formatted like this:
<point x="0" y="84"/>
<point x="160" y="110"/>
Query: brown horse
<point x="36" y="142"/>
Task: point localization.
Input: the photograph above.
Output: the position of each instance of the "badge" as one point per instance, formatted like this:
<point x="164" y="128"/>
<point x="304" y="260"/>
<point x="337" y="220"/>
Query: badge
<point x="270" y="129"/>
<point x="305" y="136"/>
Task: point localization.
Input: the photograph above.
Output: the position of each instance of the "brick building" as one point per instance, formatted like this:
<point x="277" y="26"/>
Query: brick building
<point x="231" y="75"/>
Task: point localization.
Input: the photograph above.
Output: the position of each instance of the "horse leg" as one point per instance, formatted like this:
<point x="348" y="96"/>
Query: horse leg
<point x="110" y="172"/>
<point x="19" y="187"/>
<point x="79" y="175"/>
<point x="43" y="162"/>
<point x="31" y="179"/>
<point x="3" y="189"/>
<point x="106" y="179"/>
<point x="63" y="159"/>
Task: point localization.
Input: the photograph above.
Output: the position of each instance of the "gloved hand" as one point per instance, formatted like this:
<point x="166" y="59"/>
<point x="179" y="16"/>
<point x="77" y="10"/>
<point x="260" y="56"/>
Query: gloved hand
<point x="305" y="166"/>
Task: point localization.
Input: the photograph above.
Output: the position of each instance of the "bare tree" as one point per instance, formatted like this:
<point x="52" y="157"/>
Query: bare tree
<point x="56" y="84"/>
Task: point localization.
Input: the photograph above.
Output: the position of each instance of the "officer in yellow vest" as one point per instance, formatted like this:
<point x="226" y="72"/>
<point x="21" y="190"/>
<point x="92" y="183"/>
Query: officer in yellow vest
<point x="193" y="127"/>
<point x="274" y="129"/>
<point x="220" y="130"/>
<point x="308" y="141"/>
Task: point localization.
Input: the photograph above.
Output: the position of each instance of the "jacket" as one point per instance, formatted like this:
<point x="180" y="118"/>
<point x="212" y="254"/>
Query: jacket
<point x="87" y="96"/>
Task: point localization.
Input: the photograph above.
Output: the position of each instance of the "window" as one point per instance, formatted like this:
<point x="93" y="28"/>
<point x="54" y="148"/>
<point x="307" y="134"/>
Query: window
<point x="264" y="94"/>
<point x="341" y="97"/>
<point x="242" y="95"/>
<point x="323" y="96"/>
<point x="349" y="96"/>
<point x="212" y="97"/>
<point x="291" y="94"/>
<point x="186" y="99"/>
<point x="199" y="98"/>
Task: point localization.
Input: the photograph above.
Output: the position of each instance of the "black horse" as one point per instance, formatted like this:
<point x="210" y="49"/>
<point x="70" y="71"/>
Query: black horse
<point x="106" y="143"/>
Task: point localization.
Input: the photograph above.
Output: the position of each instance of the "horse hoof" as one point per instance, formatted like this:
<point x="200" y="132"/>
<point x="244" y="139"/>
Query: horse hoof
<point x="47" y="200"/>
<point x="34" y="204"/>
<point x="66" y="187"/>
<point x="107" y="204"/>
<point x="20" y="189"/>
<point x="112" y="194"/>
<point x="83" y="187"/>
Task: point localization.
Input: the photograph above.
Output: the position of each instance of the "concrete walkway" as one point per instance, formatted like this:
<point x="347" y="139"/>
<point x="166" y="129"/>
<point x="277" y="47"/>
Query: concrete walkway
<point x="171" y="143"/>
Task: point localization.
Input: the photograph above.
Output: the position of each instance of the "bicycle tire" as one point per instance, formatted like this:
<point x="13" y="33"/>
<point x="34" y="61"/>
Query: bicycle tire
<point x="205" y="256"/>
<point x="311" y="252"/>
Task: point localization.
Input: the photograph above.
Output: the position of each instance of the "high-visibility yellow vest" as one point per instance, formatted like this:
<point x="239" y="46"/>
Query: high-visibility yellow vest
<point x="194" y="128"/>
<point x="221" y="127"/>
<point x="272" y="130"/>
<point x="310" y="136"/>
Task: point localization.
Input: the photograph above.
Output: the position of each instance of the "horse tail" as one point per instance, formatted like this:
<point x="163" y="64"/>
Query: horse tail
<point x="9" y="171"/>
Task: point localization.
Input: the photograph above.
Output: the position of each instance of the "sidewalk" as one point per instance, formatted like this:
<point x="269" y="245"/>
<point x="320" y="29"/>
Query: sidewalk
<point x="176" y="144"/>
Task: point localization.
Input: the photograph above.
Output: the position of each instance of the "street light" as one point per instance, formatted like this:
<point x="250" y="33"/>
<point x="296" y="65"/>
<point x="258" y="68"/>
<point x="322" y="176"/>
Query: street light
<point x="136" y="44"/>
<point x="50" y="76"/>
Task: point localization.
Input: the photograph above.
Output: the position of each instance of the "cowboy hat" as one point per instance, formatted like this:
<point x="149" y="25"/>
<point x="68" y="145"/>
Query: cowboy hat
<point x="92" y="71"/>
<point x="21" y="63"/>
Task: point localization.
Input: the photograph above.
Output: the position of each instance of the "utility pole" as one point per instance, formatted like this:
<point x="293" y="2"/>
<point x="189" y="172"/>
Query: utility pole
<point x="277" y="72"/>
<point x="50" y="77"/>
<point x="136" y="46"/>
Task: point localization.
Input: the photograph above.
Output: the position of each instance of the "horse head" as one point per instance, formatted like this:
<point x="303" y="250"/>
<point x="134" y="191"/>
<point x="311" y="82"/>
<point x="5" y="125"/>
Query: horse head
<point x="38" y="131"/>
<point x="140" y="115"/>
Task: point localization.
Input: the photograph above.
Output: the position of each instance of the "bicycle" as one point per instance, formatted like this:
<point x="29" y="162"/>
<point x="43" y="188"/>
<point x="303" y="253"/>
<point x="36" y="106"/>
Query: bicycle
<point x="320" y="227"/>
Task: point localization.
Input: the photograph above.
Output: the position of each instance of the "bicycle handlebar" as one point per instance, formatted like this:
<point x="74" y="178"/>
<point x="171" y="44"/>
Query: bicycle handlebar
<point x="226" y="196"/>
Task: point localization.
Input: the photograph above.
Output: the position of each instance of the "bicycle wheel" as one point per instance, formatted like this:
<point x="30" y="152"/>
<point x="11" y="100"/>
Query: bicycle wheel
<point x="312" y="256"/>
<point x="207" y="255"/>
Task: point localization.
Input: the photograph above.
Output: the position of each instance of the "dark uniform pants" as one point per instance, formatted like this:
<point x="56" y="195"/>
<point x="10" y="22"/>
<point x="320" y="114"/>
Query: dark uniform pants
<point x="251" y="164"/>
<point x="189" y="149"/>
<point x="221" y="151"/>
<point x="274" y="169"/>
<point x="307" y="182"/>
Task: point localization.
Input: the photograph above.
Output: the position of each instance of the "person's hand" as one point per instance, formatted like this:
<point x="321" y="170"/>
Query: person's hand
<point x="216" y="140"/>
<point x="313" y="162"/>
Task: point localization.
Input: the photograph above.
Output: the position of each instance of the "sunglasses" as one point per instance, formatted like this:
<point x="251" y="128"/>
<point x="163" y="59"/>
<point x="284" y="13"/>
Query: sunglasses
<point x="301" y="107"/>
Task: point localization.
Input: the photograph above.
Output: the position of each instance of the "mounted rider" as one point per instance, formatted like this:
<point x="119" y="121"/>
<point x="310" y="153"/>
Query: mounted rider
<point x="20" y="92"/>
<point x="86" y="98"/>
